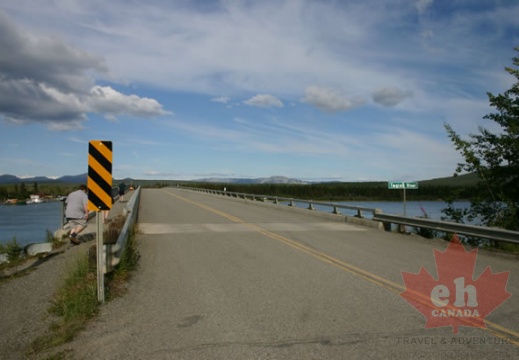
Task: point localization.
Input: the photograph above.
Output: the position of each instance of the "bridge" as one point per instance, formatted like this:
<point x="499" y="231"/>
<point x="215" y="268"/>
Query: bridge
<point x="231" y="278"/>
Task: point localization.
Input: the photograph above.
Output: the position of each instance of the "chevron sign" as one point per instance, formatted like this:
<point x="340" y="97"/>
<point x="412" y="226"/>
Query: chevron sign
<point x="99" y="175"/>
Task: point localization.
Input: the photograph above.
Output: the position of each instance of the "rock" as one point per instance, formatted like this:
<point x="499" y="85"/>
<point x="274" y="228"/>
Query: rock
<point x="38" y="248"/>
<point x="62" y="233"/>
<point x="4" y="258"/>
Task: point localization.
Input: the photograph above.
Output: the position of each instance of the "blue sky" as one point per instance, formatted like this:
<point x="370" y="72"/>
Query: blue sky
<point x="314" y="90"/>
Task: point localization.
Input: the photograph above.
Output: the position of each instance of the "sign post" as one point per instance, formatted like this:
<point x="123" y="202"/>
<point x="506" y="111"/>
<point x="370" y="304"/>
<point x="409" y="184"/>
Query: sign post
<point x="403" y="186"/>
<point x="100" y="198"/>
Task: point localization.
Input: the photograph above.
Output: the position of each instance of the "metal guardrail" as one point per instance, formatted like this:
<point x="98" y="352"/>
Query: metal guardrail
<point x="291" y="201"/>
<point x="445" y="226"/>
<point x="131" y="211"/>
<point x="495" y="234"/>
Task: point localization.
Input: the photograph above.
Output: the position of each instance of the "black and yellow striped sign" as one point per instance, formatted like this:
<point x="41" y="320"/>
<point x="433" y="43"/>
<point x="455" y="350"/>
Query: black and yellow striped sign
<point x="99" y="175"/>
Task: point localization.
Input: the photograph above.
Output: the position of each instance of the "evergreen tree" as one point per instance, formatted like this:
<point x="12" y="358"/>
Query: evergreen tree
<point x="495" y="158"/>
<point x="23" y="191"/>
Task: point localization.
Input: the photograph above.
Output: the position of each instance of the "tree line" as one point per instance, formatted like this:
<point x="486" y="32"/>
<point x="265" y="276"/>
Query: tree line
<point x="346" y="191"/>
<point x="23" y="191"/>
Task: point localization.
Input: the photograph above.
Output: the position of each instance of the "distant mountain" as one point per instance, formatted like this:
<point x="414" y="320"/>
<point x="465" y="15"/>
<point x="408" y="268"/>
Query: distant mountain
<point x="265" y="180"/>
<point x="79" y="179"/>
<point x="461" y="180"/>
<point x="11" y="179"/>
<point x="8" y="179"/>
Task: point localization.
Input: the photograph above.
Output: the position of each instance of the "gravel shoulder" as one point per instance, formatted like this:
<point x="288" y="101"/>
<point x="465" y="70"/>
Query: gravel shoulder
<point x="24" y="299"/>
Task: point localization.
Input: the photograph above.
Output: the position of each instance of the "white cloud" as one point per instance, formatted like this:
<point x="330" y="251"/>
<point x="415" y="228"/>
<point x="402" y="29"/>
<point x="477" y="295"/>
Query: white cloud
<point x="45" y="80"/>
<point x="272" y="46"/>
<point x="107" y="101"/>
<point x="264" y="100"/>
<point x="445" y="56"/>
<point x="422" y="5"/>
<point x="390" y="96"/>
<point x="330" y="101"/>
<point x="221" y="99"/>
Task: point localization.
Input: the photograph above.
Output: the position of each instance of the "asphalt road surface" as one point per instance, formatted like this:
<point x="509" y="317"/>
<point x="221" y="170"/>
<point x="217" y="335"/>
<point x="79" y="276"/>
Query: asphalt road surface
<point x="227" y="279"/>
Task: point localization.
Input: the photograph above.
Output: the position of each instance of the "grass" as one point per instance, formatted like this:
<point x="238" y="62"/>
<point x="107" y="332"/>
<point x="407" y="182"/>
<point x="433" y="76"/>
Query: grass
<point x="56" y="243"/>
<point x="118" y="279"/>
<point x="76" y="302"/>
<point x="505" y="247"/>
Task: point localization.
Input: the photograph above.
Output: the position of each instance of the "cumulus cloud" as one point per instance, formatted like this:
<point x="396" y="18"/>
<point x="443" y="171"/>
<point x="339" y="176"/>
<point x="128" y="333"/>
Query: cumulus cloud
<point x="390" y="96"/>
<point x="43" y="79"/>
<point x="105" y="100"/>
<point x="264" y="100"/>
<point x="328" y="100"/>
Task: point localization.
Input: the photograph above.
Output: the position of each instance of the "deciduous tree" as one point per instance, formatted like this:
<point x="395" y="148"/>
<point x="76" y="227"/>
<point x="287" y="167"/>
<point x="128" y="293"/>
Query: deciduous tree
<point x="494" y="156"/>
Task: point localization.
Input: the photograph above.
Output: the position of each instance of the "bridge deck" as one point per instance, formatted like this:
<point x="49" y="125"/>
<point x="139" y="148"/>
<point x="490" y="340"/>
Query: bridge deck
<point x="225" y="279"/>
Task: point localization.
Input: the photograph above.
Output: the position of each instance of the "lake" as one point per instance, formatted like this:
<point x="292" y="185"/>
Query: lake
<point x="433" y="209"/>
<point x="29" y="223"/>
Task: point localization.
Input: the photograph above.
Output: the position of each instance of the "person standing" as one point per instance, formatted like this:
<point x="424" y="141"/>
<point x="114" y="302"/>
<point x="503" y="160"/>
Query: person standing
<point x="77" y="212"/>
<point x="122" y="190"/>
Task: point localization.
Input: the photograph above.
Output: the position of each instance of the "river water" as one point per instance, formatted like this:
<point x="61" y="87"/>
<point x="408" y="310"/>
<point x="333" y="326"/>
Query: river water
<point x="29" y="223"/>
<point x="430" y="209"/>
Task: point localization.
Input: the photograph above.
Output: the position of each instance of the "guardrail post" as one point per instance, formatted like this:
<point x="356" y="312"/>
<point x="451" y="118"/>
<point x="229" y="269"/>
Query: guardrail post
<point x="291" y="203"/>
<point x="359" y="214"/>
<point x="336" y="210"/>
<point x="63" y="219"/>
<point x="311" y="206"/>
<point x="276" y="201"/>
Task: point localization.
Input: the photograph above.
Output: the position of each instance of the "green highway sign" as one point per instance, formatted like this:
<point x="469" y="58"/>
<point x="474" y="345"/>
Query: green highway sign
<point x="402" y="185"/>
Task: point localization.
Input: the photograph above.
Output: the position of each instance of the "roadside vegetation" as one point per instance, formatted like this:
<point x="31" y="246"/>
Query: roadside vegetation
<point x="494" y="158"/>
<point x="76" y="302"/>
<point x="12" y="255"/>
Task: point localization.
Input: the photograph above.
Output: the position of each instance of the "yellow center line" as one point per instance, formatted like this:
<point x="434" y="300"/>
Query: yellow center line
<point x="492" y="327"/>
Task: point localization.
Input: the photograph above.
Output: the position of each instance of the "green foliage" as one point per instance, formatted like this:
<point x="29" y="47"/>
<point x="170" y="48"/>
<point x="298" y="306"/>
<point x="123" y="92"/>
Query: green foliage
<point x="21" y="191"/>
<point x="130" y="256"/>
<point x="351" y="191"/>
<point x="123" y="271"/>
<point x="494" y="157"/>
<point x="75" y="303"/>
<point x="56" y="243"/>
<point x="426" y="232"/>
<point x="13" y="250"/>
<point x="78" y="298"/>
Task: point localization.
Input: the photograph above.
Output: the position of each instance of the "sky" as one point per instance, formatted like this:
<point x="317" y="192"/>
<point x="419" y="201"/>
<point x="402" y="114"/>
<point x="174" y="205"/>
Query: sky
<point x="316" y="90"/>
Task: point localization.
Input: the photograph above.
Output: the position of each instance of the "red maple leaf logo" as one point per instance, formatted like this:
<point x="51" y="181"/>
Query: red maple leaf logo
<point x="455" y="299"/>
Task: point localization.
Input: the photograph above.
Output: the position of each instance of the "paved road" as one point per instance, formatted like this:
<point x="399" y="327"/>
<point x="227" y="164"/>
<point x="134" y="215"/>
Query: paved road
<point x="225" y="279"/>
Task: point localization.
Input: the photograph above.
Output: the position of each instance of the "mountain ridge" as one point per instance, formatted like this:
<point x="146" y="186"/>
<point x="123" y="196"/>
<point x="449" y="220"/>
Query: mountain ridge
<point x="13" y="179"/>
<point x="262" y="180"/>
<point x="460" y="180"/>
